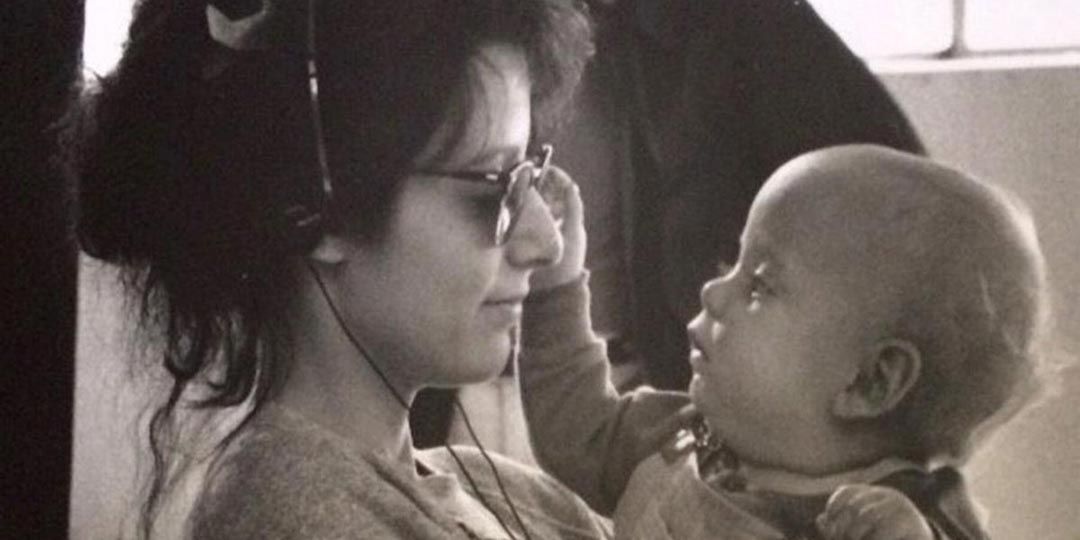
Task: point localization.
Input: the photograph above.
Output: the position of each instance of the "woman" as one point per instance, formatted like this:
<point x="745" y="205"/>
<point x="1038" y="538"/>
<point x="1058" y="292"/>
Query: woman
<point x="325" y="207"/>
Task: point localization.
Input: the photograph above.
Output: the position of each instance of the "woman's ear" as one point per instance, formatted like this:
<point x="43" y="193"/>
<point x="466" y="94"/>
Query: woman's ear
<point x="330" y="250"/>
<point x="882" y="382"/>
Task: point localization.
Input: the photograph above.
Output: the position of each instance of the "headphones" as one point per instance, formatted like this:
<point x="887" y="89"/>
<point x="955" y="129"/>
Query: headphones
<point x="242" y="26"/>
<point x="302" y="226"/>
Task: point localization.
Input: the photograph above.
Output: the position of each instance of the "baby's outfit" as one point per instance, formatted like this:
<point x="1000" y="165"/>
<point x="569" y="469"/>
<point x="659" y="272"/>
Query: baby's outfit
<point x="602" y="445"/>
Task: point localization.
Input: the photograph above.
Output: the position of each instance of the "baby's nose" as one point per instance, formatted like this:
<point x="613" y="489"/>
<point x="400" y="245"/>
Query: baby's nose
<point x="714" y="297"/>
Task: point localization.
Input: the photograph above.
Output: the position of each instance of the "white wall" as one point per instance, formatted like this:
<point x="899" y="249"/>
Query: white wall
<point x="1020" y="127"/>
<point x="106" y="408"/>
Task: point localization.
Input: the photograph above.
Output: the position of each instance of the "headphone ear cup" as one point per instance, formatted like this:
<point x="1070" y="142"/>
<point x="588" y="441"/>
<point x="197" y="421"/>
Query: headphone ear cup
<point x="303" y="228"/>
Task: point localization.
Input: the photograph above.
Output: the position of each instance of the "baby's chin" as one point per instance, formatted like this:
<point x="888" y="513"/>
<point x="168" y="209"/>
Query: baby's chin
<point x="721" y="420"/>
<point x="699" y="395"/>
<point x="708" y="408"/>
<point x="694" y="389"/>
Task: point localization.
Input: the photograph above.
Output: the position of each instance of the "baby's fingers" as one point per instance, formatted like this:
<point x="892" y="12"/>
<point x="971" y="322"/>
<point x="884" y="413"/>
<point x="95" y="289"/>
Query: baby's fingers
<point x="863" y="512"/>
<point x="848" y="515"/>
<point x="563" y="201"/>
<point x="855" y="522"/>
<point x="562" y="197"/>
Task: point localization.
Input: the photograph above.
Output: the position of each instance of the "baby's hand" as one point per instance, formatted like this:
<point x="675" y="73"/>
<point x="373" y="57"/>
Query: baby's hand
<point x="564" y="201"/>
<point x="866" y="512"/>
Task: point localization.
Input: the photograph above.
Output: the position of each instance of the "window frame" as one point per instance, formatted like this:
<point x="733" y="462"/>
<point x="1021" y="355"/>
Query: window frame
<point x="958" y="47"/>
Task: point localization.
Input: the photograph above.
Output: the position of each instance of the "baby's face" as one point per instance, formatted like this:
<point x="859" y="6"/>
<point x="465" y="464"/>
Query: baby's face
<point x="783" y="332"/>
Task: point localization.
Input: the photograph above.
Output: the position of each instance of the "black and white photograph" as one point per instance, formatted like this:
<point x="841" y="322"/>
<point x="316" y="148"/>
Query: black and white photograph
<point x="541" y="269"/>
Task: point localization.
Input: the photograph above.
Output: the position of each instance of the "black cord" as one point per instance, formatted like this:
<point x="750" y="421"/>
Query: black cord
<point x="404" y="404"/>
<point x="326" y="184"/>
<point x="480" y="496"/>
<point x="355" y="342"/>
<point x="494" y="470"/>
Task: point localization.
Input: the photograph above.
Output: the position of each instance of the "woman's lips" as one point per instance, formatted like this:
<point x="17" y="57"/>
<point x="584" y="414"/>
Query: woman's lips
<point x="514" y="300"/>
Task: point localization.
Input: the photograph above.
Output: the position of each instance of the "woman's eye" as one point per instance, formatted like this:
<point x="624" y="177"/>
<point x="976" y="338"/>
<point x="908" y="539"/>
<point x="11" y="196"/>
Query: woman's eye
<point x="487" y="205"/>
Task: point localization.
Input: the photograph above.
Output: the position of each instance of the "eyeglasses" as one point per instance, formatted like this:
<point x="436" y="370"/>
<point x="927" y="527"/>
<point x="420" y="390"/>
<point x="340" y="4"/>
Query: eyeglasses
<point x="515" y="183"/>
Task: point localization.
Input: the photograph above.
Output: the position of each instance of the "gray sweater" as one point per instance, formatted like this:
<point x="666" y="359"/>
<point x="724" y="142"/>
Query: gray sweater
<point x="287" y="477"/>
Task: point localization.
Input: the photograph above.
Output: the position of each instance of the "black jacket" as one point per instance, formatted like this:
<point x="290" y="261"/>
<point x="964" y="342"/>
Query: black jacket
<point x="712" y="96"/>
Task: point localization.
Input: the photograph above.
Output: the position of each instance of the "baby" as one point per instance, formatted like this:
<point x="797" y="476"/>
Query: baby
<point x="884" y="314"/>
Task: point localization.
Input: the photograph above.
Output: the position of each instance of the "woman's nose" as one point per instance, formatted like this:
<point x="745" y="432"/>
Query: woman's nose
<point x="714" y="297"/>
<point x="535" y="240"/>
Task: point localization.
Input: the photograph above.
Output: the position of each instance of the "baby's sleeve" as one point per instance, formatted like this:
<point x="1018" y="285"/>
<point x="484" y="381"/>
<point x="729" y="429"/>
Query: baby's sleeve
<point x="582" y="431"/>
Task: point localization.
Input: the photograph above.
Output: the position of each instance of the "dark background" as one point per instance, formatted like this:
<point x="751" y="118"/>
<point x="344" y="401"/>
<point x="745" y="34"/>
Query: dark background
<point x="39" y="56"/>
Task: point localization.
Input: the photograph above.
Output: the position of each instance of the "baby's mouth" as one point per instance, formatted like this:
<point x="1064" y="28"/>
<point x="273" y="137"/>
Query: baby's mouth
<point x="703" y="333"/>
<point x="697" y="354"/>
<point x="716" y="331"/>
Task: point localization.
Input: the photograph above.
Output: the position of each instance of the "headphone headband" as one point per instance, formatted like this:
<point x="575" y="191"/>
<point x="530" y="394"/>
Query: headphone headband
<point x="270" y="24"/>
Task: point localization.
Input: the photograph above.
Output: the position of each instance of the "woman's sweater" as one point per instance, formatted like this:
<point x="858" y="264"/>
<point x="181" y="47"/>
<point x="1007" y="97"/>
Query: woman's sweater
<point x="287" y="477"/>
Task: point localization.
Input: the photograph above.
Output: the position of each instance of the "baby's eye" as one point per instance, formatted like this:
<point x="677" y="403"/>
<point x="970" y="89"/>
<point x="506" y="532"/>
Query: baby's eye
<point x="759" y="289"/>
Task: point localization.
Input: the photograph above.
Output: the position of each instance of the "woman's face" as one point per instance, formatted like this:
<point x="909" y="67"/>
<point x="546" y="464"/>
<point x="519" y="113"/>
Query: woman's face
<point x="435" y="300"/>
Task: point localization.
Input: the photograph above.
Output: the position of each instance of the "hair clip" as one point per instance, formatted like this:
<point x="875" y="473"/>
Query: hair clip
<point x="247" y="32"/>
<point x="241" y="27"/>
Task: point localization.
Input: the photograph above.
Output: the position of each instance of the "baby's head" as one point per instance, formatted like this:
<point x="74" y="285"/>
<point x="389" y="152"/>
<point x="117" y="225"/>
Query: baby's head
<point x="882" y="304"/>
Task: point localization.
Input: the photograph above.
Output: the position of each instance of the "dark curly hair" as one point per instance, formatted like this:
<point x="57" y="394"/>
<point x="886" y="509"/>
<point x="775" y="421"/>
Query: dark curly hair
<point x="191" y="152"/>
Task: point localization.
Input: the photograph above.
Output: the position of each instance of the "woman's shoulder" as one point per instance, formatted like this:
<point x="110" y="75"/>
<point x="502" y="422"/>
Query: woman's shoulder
<point x="284" y="478"/>
<point x="471" y="462"/>
<point x="549" y="509"/>
<point x="279" y="447"/>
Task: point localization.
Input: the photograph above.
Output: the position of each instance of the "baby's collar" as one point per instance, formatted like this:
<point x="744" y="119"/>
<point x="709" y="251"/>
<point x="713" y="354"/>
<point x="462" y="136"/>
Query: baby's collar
<point x="791" y="483"/>
<point x="718" y="466"/>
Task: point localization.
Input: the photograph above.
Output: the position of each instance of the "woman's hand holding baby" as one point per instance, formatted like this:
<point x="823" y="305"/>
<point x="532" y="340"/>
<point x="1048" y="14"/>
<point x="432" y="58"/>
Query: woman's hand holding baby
<point x="564" y="201"/>
<point x="867" y="512"/>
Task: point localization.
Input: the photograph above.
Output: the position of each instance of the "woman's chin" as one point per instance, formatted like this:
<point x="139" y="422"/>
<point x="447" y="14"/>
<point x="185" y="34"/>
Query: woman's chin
<point x="486" y="362"/>
<point x="486" y="373"/>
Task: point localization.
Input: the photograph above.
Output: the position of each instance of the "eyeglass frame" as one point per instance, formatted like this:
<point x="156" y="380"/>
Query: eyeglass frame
<point x="508" y="215"/>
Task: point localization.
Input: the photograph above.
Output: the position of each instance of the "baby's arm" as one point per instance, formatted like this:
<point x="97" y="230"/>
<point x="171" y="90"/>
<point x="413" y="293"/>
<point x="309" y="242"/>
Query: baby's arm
<point x="869" y="512"/>
<point x="583" y="432"/>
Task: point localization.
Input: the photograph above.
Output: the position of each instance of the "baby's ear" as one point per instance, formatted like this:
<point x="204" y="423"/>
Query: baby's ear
<point x="882" y="381"/>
